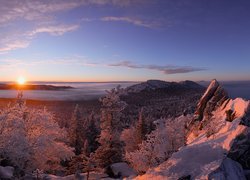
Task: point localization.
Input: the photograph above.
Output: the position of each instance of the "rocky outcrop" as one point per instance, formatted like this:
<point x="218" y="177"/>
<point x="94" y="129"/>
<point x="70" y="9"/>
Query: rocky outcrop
<point x="240" y="150"/>
<point x="214" y="97"/>
<point x="246" y="119"/>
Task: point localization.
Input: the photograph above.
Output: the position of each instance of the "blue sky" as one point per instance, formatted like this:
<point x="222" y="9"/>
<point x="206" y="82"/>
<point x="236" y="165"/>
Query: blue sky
<point x="116" y="40"/>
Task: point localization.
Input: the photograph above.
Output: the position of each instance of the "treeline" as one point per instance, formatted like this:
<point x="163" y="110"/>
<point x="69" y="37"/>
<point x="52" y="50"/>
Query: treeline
<point x="32" y="142"/>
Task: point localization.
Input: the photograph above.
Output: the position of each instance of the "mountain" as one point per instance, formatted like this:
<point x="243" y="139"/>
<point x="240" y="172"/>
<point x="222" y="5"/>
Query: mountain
<point x="217" y="141"/>
<point x="161" y="99"/>
<point x="33" y="87"/>
<point x="158" y="84"/>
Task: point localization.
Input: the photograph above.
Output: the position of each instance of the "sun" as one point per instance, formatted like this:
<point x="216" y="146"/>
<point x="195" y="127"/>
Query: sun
<point x="21" y="80"/>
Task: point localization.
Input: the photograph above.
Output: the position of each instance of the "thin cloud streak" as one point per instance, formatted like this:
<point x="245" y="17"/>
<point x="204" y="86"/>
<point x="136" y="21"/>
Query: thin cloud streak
<point x="55" y="30"/>
<point x="17" y="40"/>
<point x="134" y="21"/>
<point x="81" y="61"/>
<point x="170" y="69"/>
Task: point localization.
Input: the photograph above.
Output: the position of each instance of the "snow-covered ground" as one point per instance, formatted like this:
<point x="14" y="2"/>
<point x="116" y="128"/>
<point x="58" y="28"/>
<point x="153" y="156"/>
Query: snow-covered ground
<point x="205" y="156"/>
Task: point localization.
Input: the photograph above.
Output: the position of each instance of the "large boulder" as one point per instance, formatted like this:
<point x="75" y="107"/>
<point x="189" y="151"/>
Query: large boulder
<point x="6" y="172"/>
<point x="229" y="170"/>
<point x="121" y="170"/>
<point x="240" y="150"/>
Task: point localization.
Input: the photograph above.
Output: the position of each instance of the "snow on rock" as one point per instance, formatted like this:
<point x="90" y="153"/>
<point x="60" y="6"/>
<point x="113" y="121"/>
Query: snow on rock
<point x="229" y="170"/>
<point x="214" y="96"/>
<point x="200" y="158"/>
<point x="122" y="169"/>
<point x="6" y="172"/>
<point x="240" y="150"/>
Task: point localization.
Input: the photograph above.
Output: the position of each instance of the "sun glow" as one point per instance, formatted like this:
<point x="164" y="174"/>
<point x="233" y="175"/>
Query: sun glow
<point x="21" y="80"/>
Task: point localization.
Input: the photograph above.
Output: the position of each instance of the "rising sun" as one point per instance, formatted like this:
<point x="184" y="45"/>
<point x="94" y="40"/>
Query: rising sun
<point x="21" y="80"/>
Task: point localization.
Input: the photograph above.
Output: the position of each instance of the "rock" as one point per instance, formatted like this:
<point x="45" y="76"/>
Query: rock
<point x="122" y="170"/>
<point x="214" y="96"/>
<point x="229" y="170"/>
<point x="188" y="177"/>
<point x="246" y="119"/>
<point x="6" y="172"/>
<point x="240" y="150"/>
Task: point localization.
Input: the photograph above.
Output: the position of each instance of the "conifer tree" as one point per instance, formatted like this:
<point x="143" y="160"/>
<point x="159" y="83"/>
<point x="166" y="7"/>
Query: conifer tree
<point x="110" y="149"/>
<point x="76" y="130"/>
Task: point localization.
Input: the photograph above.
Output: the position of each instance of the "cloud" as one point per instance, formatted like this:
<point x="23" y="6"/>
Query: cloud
<point x="15" y="40"/>
<point x="164" y="69"/>
<point x="55" y="30"/>
<point x="14" y="45"/>
<point x="8" y="64"/>
<point x="40" y="16"/>
<point x="38" y="10"/>
<point x="134" y="21"/>
<point x="83" y="61"/>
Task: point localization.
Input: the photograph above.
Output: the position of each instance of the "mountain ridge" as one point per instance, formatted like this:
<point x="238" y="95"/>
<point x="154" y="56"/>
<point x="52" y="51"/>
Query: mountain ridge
<point x="159" y="84"/>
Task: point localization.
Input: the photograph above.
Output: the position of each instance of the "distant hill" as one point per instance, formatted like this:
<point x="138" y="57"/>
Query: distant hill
<point x="158" y="84"/>
<point x="32" y="87"/>
<point x="161" y="99"/>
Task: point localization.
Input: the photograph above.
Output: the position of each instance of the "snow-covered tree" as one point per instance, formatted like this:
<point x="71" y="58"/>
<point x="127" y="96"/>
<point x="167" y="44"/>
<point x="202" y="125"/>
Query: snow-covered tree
<point x="168" y="136"/>
<point x="31" y="139"/>
<point x="110" y="149"/>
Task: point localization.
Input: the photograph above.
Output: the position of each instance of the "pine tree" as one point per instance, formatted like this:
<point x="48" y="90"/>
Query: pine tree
<point x="134" y="135"/>
<point x="110" y="149"/>
<point x="76" y="130"/>
<point x="91" y="132"/>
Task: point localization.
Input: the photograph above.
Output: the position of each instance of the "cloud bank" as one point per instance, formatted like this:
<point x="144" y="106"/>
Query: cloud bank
<point x="170" y="69"/>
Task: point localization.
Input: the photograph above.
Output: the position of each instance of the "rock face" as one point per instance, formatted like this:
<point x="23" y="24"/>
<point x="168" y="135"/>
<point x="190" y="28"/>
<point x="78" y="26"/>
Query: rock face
<point x="246" y="119"/>
<point x="214" y="97"/>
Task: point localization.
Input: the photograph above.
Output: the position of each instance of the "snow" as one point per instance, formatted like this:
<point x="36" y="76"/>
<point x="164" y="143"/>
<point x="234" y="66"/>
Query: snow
<point x="92" y="175"/>
<point x="123" y="169"/>
<point x="6" y="172"/>
<point x="205" y="154"/>
<point x="229" y="170"/>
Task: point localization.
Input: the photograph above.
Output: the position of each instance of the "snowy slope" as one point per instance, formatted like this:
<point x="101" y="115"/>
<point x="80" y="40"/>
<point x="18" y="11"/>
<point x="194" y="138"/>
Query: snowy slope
<point x="205" y="155"/>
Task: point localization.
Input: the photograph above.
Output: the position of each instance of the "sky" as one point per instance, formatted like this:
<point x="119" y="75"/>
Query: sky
<point x="124" y="40"/>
